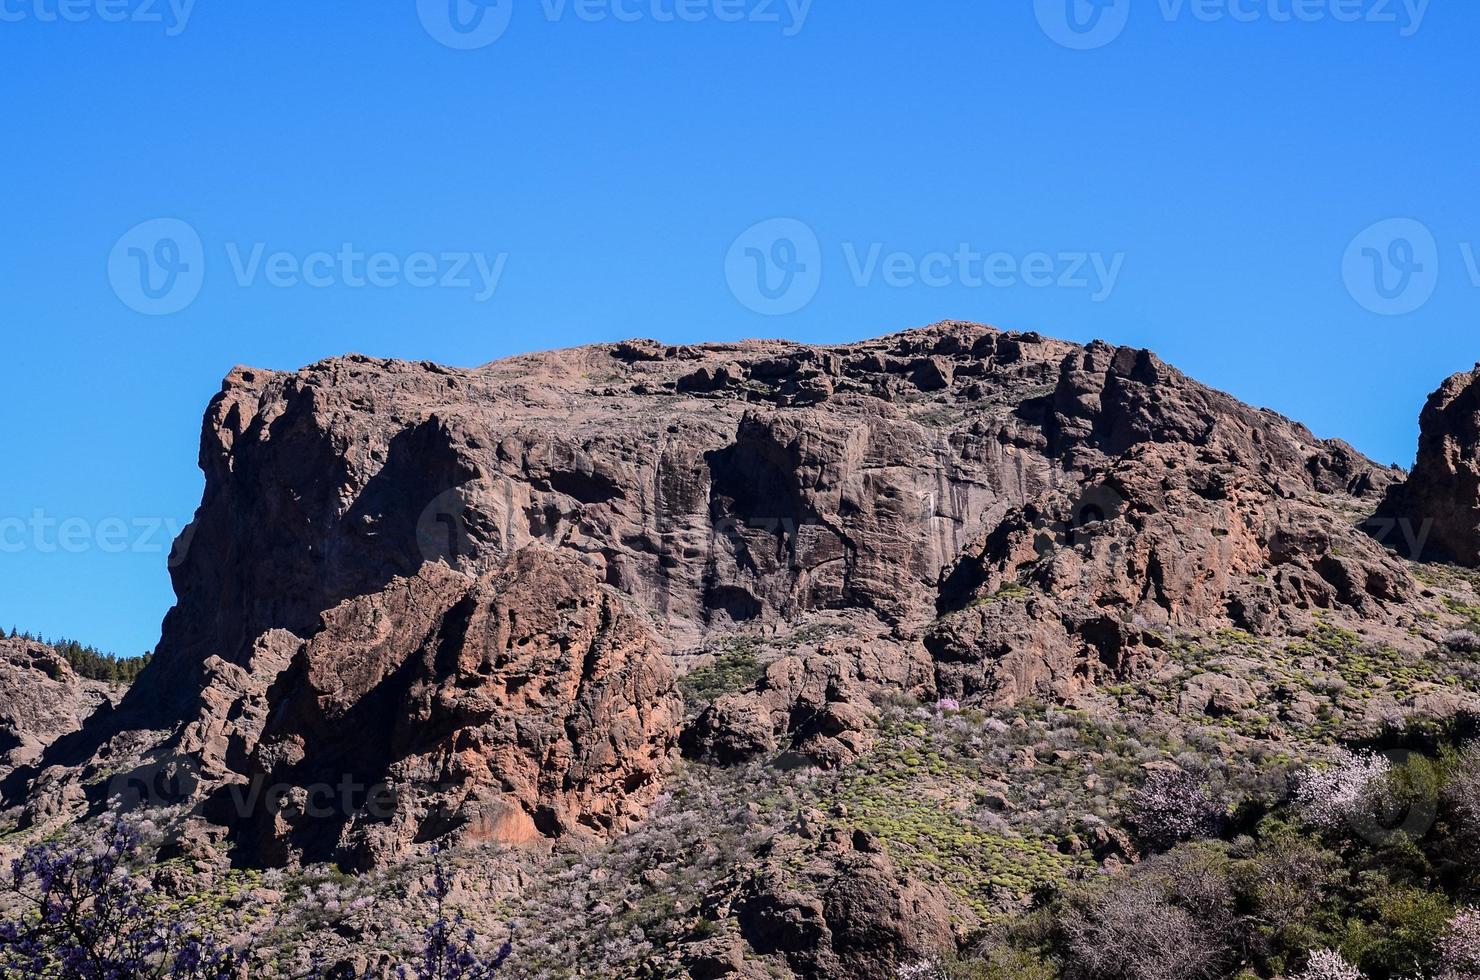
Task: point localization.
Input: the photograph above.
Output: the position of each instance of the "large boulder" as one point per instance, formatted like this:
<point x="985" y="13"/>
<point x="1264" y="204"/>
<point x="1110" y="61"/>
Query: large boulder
<point x="527" y="704"/>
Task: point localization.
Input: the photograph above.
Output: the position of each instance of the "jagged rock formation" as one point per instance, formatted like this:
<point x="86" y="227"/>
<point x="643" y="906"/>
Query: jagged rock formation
<point x="906" y="481"/>
<point x="529" y="702"/>
<point x="465" y="594"/>
<point x="1179" y="507"/>
<point x="41" y="699"/>
<point x="1435" y="514"/>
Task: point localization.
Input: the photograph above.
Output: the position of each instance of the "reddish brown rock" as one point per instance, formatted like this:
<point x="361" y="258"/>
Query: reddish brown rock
<point x="1177" y="507"/>
<point x="844" y="910"/>
<point x="530" y="703"/>
<point x="994" y="516"/>
<point x="1435" y="514"/>
<point x="41" y="699"/>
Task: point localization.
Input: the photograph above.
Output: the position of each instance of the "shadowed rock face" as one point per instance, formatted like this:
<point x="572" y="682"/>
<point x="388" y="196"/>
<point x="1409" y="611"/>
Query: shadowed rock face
<point x="1435" y="514"/>
<point x="464" y="585"/>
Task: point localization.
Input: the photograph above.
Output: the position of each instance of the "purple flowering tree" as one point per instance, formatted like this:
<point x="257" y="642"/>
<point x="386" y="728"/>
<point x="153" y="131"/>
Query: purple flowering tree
<point x="84" y="916"/>
<point x="1459" y="950"/>
<point x="449" y="951"/>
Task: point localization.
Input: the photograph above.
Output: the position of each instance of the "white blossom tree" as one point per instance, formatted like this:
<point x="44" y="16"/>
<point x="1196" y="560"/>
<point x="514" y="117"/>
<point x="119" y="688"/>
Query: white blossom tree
<point x="1459" y="950"/>
<point x="1326" y="964"/>
<point x="1342" y="794"/>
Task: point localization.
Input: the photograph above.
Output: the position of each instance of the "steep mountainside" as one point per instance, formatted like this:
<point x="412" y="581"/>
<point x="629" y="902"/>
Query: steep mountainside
<point x="547" y="604"/>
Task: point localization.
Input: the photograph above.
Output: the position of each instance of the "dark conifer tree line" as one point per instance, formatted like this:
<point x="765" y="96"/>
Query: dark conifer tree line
<point x="90" y="662"/>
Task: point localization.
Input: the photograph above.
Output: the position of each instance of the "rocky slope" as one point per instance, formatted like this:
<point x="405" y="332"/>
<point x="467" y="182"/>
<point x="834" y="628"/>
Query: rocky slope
<point x="41" y="699"/>
<point x="538" y="604"/>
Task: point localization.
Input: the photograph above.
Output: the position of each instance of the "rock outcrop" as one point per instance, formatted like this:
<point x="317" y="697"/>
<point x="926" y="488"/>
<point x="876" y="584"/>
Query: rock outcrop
<point x="1178" y="507"/>
<point x="41" y="699"/>
<point x="1435" y="514"/>
<point x="529" y="703"/>
<point x="848" y="913"/>
<point x="462" y="587"/>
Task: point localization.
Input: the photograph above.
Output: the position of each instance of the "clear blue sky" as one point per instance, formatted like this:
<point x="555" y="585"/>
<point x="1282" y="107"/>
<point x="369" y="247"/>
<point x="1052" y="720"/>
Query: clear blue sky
<point x="609" y="170"/>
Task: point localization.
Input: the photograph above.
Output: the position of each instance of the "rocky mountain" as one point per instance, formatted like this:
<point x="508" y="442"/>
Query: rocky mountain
<point x="539" y="608"/>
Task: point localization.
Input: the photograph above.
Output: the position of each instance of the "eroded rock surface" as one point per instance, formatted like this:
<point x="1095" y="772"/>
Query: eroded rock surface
<point x="466" y="594"/>
<point x="529" y="703"/>
<point x="1435" y="514"/>
<point x="41" y="699"/>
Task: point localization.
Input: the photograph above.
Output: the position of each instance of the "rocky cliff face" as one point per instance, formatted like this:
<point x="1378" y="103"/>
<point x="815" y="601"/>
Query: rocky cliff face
<point x="530" y="701"/>
<point x="423" y="604"/>
<point x="1435" y="513"/>
<point x="361" y="519"/>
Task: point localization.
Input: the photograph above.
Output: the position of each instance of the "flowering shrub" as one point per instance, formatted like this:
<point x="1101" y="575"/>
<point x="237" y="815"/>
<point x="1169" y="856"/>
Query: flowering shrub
<point x="923" y="970"/>
<point x="1463" y="795"/>
<point x="83" y="915"/>
<point x="1459" y="950"/>
<point x="1344" y="793"/>
<point x="87" y="918"/>
<point x="449" y="952"/>
<point x="1175" y="806"/>
<point x="1327" y="964"/>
